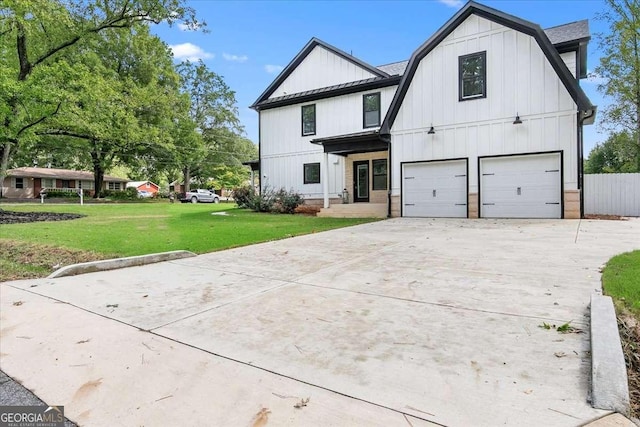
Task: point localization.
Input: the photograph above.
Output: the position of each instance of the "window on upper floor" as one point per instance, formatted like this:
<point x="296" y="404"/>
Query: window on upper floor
<point x="371" y="110"/>
<point x="308" y="120"/>
<point x="312" y="173"/>
<point x="380" y="174"/>
<point x="472" y="74"/>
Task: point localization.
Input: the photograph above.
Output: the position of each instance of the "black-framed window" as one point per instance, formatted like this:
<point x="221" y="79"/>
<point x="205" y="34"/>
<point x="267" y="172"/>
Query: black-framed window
<point x="19" y="183"/>
<point x="371" y="110"/>
<point x="380" y="174"/>
<point x="66" y="183"/>
<point x="472" y="72"/>
<point x="312" y="173"/>
<point x="308" y="119"/>
<point x="113" y="186"/>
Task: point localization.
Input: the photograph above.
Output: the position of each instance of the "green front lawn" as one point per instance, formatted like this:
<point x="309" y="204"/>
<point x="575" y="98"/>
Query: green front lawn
<point x="143" y="228"/>
<point x="35" y="249"/>
<point x="621" y="280"/>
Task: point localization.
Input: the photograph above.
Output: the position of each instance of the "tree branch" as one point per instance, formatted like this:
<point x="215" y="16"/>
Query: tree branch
<point x="40" y="120"/>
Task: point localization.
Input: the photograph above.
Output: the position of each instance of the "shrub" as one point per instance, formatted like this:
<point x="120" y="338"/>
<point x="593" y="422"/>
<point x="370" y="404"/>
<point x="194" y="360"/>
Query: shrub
<point x="280" y="201"/>
<point x="127" y="194"/>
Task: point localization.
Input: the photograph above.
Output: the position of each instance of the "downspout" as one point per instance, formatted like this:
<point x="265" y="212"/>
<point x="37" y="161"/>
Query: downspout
<point x="389" y="175"/>
<point x="581" y="157"/>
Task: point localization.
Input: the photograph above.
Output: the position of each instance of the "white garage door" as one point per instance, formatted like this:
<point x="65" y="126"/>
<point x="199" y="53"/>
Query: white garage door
<point x="521" y="187"/>
<point x="435" y="189"/>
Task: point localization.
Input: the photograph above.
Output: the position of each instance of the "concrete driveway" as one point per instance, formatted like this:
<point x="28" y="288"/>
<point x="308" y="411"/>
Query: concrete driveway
<point x="401" y="322"/>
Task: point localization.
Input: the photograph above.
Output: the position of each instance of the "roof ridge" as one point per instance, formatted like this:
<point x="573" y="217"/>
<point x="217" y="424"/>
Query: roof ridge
<point x="565" y="24"/>
<point x="391" y="63"/>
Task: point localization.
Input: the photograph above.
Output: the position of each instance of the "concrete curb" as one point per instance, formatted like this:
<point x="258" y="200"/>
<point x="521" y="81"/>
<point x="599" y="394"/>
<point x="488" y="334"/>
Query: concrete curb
<point x="112" y="264"/>
<point x="609" y="385"/>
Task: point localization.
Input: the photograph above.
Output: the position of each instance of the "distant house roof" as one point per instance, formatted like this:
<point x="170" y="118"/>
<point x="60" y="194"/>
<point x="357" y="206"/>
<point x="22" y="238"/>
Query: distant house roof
<point x="136" y="184"/>
<point x="52" y="173"/>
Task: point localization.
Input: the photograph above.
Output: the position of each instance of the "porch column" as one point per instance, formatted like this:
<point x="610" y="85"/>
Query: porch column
<point x="325" y="180"/>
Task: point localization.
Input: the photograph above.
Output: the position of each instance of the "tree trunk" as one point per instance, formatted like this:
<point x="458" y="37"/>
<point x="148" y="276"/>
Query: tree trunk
<point x="98" y="171"/>
<point x="186" y="176"/>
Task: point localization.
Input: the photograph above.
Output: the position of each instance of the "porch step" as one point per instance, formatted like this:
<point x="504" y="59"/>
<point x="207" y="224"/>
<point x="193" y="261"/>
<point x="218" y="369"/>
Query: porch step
<point x="355" y="210"/>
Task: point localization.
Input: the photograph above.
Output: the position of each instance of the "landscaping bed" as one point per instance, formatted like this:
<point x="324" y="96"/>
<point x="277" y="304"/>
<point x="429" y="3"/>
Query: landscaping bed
<point x="10" y="217"/>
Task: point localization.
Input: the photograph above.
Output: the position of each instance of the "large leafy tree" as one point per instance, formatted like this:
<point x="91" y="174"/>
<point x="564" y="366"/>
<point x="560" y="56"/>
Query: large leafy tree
<point x="124" y="107"/>
<point x="214" y="116"/>
<point x="620" y="69"/>
<point x="617" y="154"/>
<point x="36" y="70"/>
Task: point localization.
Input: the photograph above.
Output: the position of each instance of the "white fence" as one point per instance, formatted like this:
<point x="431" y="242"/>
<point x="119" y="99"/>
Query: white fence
<point x="612" y="194"/>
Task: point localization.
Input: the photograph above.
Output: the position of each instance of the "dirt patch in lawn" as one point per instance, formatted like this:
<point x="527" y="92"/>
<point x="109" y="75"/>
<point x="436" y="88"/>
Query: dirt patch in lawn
<point x="20" y="260"/>
<point x="9" y="217"/>
<point x="629" y="328"/>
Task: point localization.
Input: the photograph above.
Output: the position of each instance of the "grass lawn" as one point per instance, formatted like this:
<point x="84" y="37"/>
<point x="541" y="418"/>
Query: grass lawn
<point x="621" y="280"/>
<point x="129" y="229"/>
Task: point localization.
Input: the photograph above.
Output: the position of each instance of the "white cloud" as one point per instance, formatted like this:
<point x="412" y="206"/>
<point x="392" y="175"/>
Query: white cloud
<point x="273" y="69"/>
<point x="452" y="3"/>
<point x="235" y="58"/>
<point x="190" y="52"/>
<point x="188" y="27"/>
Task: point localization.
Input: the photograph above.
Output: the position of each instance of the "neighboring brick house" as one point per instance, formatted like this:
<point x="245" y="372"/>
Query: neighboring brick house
<point x="144" y="186"/>
<point x="27" y="182"/>
<point x="484" y="120"/>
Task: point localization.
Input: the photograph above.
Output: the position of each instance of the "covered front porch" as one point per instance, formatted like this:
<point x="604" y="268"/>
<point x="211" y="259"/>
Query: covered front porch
<point x="366" y="177"/>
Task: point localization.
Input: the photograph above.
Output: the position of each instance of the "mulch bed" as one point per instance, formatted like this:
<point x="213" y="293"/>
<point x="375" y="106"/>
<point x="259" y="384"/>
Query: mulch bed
<point x="606" y="217"/>
<point x="9" y="217"/>
<point x="629" y="329"/>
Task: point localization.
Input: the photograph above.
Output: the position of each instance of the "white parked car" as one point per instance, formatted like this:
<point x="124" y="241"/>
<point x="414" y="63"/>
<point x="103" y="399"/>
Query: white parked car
<point x="199" y="195"/>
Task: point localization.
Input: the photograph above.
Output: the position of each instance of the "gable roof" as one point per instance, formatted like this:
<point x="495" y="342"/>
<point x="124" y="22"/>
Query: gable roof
<point x="306" y="50"/>
<point x="510" y="21"/>
<point x="52" y="173"/>
<point x="139" y="183"/>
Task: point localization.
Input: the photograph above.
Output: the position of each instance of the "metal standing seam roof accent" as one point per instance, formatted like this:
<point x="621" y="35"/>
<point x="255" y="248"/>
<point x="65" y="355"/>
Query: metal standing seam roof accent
<point x="518" y="24"/>
<point x="52" y="173"/>
<point x="310" y="93"/>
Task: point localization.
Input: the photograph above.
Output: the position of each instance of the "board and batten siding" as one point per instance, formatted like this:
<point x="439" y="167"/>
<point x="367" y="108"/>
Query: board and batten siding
<point x="284" y="150"/>
<point x="321" y="68"/>
<point x="520" y="80"/>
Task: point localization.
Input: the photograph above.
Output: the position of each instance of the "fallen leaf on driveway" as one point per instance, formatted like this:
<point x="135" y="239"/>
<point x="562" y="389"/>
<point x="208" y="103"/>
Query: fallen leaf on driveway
<point x="560" y="354"/>
<point x="303" y="402"/>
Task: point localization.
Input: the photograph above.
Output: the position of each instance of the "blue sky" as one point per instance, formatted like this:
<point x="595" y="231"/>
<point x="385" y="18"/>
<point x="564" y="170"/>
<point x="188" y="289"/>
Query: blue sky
<point x="249" y="42"/>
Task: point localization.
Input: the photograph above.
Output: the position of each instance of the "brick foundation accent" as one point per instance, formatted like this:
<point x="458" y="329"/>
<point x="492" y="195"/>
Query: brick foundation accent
<point x="572" y="204"/>
<point x="473" y="205"/>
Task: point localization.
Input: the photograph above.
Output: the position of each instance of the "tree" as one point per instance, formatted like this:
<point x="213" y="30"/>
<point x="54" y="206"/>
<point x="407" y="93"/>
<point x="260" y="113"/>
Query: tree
<point x="124" y="106"/>
<point x="616" y="154"/>
<point x="214" y="116"/>
<point x="620" y="69"/>
<point x="34" y="35"/>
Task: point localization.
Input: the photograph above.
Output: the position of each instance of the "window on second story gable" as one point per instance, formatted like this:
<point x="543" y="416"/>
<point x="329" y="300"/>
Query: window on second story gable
<point x="371" y="110"/>
<point x="473" y="76"/>
<point x="308" y="119"/>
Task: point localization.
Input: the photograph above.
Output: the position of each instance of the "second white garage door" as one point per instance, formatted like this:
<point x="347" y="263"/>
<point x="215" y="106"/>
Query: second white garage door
<point x="526" y="186"/>
<point x="435" y="189"/>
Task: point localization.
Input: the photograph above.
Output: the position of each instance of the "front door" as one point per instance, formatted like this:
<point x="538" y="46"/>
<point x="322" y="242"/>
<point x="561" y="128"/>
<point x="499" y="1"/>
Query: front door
<point x="361" y="181"/>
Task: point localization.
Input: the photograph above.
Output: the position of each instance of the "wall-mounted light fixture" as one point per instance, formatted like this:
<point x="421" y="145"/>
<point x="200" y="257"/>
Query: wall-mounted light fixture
<point x="432" y="130"/>
<point x="517" y="121"/>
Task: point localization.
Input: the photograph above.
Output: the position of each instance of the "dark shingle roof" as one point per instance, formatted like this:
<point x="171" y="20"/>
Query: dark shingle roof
<point x="395" y="68"/>
<point x="578" y="30"/>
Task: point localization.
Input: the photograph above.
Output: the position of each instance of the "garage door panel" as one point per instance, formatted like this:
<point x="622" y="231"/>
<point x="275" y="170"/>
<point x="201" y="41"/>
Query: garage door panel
<point x="435" y="189"/>
<point x="521" y="186"/>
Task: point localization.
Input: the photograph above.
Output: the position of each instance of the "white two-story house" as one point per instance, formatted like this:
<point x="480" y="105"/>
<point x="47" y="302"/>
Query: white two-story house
<point x="484" y="120"/>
